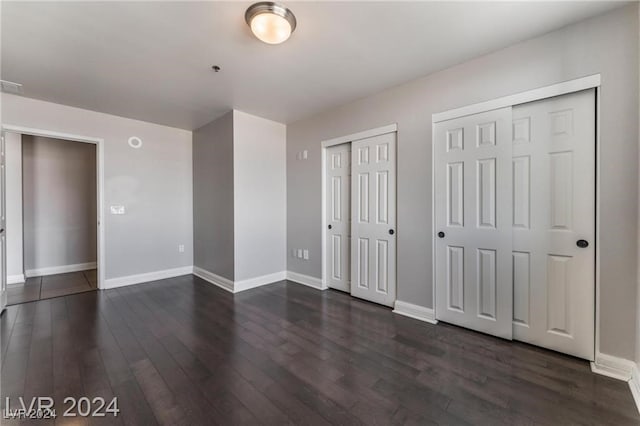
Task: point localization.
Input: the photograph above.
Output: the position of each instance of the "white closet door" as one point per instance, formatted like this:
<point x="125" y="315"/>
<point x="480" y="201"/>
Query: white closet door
<point x="373" y="206"/>
<point x="338" y="217"/>
<point x="473" y="222"/>
<point x="553" y="218"/>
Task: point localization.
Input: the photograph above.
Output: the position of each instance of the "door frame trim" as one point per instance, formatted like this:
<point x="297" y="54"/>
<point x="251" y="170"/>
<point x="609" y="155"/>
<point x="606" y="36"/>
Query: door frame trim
<point x="390" y="128"/>
<point x="99" y="142"/>
<point x="562" y="88"/>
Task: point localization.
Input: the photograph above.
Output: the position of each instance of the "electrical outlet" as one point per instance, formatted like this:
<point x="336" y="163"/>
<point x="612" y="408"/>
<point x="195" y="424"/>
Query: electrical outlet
<point x="305" y="254"/>
<point x="181" y="248"/>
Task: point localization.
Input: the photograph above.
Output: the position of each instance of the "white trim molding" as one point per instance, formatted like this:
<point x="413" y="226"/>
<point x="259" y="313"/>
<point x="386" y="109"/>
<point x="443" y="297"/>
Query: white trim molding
<point x="15" y="279"/>
<point x="222" y="282"/>
<point x="612" y="366"/>
<point x="634" y="385"/>
<point x="312" y="282"/>
<point x="563" y="88"/>
<point x="361" y="135"/>
<point x="415" y="311"/>
<point x="147" y="277"/>
<point x="259" y="281"/>
<point x="64" y="269"/>
<point x="238" y="286"/>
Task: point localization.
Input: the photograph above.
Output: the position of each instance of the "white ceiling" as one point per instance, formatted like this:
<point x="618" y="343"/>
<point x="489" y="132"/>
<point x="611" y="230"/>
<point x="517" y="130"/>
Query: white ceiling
<point x="152" y="60"/>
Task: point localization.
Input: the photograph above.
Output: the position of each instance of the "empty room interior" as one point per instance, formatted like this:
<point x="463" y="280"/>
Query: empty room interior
<point x="318" y="212"/>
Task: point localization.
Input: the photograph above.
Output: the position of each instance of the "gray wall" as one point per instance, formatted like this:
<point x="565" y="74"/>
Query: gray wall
<point x="154" y="183"/>
<point x="59" y="202"/>
<point x="260" y="195"/>
<point x="607" y="44"/>
<point x="213" y="197"/>
<point x="13" y="157"/>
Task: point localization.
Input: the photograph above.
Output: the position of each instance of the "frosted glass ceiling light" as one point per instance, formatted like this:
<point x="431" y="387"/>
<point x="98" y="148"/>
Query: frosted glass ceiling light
<point x="270" y="22"/>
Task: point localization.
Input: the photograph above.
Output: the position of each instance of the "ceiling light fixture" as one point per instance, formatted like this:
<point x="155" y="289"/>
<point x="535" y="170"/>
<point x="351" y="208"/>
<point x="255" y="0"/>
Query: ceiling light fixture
<point x="270" y="22"/>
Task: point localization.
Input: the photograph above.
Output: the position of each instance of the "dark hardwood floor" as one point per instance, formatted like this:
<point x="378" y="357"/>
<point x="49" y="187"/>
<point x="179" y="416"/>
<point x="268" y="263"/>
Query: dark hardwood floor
<point x="182" y="351"/>
<point x="38" y="288"/>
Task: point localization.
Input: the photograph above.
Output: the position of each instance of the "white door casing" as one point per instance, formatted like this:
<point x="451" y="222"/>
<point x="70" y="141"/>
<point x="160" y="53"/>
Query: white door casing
<point x="373" y="207"/>
<point x="554" y="207"/>
<point x="473" y="229"/>
<point x="3" y="224"/>
<point x="338" y="217"/>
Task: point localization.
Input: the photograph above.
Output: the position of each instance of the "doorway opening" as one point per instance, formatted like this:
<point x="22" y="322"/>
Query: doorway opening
<point x="52" y="191"/>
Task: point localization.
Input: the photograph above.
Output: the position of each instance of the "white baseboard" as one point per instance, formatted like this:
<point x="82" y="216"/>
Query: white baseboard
<point x="222" y="282"/>
<point x="238" y="286"/>
<point x="146" y="277"/>
<point x="306" y="280"/>
<point x="634" y="385"/>
<point x="258" y="281"/>
<point x="15" y="279"/>
<point x="64" y="269"/>
<point x="611" y="366"/>
<point x="416" y="312"/>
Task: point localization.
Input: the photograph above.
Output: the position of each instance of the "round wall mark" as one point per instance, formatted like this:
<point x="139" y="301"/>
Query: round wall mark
<point x="135" y="142"/>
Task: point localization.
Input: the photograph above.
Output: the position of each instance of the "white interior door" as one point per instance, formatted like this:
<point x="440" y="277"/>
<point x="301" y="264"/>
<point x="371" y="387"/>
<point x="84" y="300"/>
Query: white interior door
<point x="338" y="217"/>
<point x="373" y="206"/>
<point x="554" y="223"/>
<point x="3" y="224"/>
<point x="473" y="223"/>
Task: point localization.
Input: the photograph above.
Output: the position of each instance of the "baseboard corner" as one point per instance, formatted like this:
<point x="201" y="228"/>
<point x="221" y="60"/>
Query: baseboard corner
<point x="249" y="283"/>
<point x="634" y="385"/>
<point x="306" y="280"/>
<point x="217" y="280"/>
<point x="16" y="279"/>
<point x="612" y="366"/>
<point x="415" y="311"/>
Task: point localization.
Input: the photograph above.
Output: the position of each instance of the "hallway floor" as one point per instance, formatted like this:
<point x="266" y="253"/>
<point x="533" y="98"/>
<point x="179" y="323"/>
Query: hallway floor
<point x="39" y="288"/>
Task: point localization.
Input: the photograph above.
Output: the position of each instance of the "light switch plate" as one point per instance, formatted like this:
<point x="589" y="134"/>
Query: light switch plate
<point x="300" y="253"/>
<point x="117" y="210"/>
<point x="305" y="254"/>
<point x="305" y="154"/>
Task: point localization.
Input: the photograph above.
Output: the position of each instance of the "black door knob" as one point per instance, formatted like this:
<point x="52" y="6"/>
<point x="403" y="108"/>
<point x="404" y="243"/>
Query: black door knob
<point x="582" y="243"/>
<point x="330" y="227"/>
<point x="391" y="232"/>
<point x="441" y="234"/>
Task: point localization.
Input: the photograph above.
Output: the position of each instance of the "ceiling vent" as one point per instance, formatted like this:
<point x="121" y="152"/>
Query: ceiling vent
<point x="11" y="87"/>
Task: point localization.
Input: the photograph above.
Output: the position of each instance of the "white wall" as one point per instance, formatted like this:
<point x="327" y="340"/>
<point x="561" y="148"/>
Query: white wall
<point x="15" y="267"/>
<point x="259" y="168"/>
<point x="606" y="44"/>
<point x="154" y="183"/>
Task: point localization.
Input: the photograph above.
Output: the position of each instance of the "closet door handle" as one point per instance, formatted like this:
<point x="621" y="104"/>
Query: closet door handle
<point x="329" y="226"/>
<point x="391" y="232"/>
<point x="440" y="234"/>
<point x="582" y="243"/>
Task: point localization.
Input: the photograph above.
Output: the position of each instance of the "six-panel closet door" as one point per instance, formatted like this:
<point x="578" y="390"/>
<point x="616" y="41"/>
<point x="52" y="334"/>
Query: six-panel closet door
<point x="373" y="210"/>
<point x="554" y="223"/>
<point x="515" y="222"/>
<point x="473" y="222"/>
